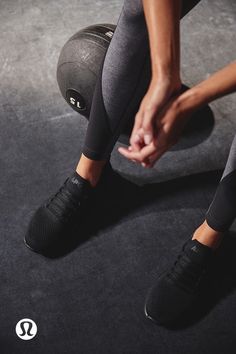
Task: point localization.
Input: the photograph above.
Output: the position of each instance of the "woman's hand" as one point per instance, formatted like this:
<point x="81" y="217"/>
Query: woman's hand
<point x="157" y="96"/>
<point x="163" y="25"/>
<point x="168" y="126"/>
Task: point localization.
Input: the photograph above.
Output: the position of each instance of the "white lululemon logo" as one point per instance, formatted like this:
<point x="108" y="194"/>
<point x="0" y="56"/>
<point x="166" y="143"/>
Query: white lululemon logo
<point x="26" y="329"/>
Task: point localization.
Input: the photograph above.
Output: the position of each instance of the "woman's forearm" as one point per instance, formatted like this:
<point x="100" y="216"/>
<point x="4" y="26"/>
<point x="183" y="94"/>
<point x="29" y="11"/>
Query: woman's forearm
<point x="163" y="22"/>
<point x="221" y="83"/>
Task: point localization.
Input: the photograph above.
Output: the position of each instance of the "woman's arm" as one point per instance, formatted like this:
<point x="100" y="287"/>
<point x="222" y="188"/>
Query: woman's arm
<point x="217" y="85"/>
<point x="163" y="23"/>
<point x="163" y="20"/>
<point x="173" y="117"/>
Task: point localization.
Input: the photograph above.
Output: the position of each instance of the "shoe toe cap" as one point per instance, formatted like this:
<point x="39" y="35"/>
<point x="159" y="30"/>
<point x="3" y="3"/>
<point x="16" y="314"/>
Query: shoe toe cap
<point x="43" y="230"/>
<point x="165" y="302"/>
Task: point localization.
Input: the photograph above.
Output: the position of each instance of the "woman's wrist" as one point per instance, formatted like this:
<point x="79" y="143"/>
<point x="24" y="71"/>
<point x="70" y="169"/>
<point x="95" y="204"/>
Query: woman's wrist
<point x="191" y="100"/>
<point x="169" y="78"/>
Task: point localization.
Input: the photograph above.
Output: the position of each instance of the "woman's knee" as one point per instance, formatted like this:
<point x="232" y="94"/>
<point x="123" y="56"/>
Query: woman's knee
<point x="133" y="9"/>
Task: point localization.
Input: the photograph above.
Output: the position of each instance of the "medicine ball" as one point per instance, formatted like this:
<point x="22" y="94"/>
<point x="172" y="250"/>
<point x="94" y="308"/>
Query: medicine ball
<point x="79" y="63"/>
<point x="78" y="66"/>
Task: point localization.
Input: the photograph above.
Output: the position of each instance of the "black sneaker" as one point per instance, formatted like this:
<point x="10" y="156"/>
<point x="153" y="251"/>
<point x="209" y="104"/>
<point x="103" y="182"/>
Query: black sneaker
<point x="62" y="211"/>
<point x="177" y="288"/>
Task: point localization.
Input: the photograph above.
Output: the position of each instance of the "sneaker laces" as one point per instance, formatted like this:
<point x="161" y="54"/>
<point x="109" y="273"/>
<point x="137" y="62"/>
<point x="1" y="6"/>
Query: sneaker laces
<point x="63" y="204"/>
<point x="185" y="272"/>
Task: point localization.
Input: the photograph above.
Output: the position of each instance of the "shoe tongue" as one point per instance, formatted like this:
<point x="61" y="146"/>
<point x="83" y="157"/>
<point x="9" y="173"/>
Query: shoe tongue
<point x="78" y="185"/>
<point x="197" y="251"/>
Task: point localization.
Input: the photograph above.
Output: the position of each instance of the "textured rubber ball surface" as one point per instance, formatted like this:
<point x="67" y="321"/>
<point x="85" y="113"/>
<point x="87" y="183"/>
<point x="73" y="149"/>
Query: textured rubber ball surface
<point x="79" y="63"/>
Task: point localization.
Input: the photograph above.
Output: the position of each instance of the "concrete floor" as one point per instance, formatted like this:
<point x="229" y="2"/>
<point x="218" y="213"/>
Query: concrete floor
<point x="91" y="300"/>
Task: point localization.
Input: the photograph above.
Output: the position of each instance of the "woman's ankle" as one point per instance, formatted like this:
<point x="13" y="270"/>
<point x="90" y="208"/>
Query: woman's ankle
<point x="208" y="236"/>
<point x="90" y="169"/>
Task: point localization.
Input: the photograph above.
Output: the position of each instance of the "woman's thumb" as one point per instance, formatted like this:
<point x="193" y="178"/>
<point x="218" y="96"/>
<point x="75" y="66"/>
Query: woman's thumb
<point x="147" y="126"/>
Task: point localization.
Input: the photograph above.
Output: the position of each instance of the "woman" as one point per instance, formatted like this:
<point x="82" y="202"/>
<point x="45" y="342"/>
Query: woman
<point x="147" y="32"/>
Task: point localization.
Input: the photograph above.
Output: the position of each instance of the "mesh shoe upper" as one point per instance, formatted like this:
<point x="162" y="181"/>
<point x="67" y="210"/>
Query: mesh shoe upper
<point x="176" y="288"/>
<point x="58" y="213"/>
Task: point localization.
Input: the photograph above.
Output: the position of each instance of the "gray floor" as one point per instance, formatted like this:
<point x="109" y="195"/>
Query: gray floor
<point x="91" y="301"/>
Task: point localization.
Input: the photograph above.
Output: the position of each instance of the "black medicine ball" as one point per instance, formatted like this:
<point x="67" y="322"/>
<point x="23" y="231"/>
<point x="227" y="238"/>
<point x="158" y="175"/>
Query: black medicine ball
<point x="79" y="63"/>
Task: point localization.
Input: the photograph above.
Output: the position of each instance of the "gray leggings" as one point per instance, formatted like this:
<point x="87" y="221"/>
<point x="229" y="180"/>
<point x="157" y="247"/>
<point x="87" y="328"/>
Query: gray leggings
<point x="122" y="83"/>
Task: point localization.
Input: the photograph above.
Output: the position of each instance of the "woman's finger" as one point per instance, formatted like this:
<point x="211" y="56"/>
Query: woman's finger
<point x="147" y="124"/>
<point x="154" y="158"/>
<point x="141" y="155"/>
<point x="136" y="139"/>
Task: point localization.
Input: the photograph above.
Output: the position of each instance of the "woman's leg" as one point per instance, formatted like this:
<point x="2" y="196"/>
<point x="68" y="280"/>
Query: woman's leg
<point x="222" y="211"/>
<point x="122" y="82"/>
<point x="174" y="292"/>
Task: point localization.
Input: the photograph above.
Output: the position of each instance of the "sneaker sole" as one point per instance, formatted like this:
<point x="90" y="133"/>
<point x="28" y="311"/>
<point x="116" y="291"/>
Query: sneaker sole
<point x="149" y="317"/>
<point x="145" y="305"/>
<point x="29" y="247"/>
